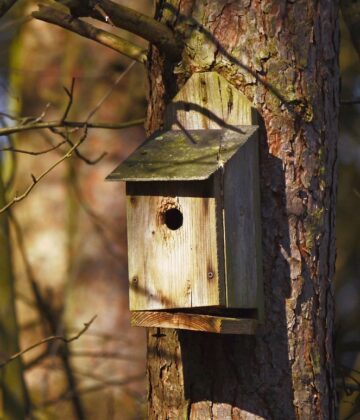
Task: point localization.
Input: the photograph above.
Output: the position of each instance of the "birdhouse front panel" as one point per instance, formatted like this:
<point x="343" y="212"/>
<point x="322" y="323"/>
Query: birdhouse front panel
<point x="173" y="253"/>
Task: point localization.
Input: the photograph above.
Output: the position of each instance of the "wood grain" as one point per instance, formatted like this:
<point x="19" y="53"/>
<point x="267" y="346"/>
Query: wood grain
<point x="196" y="322"/>
<point x="173" y="268"/>
<point x="242" y="228"/>
<point x="207" y="100"/>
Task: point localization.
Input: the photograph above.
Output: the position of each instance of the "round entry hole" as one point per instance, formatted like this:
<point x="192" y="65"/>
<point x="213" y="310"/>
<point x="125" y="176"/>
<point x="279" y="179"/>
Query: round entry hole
<point x="173" y="219"/>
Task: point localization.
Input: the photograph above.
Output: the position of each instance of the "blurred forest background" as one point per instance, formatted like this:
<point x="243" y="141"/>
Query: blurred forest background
<point x="68" y="237"/>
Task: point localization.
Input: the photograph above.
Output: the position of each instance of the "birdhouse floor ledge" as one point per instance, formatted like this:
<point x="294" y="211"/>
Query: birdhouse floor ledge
<point x="195" y="322"/>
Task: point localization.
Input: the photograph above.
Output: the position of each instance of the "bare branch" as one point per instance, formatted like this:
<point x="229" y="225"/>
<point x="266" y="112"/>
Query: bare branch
<point x="106" y="17"/>
<point x="148" y="28"/>
<point x="56" y="17"/>
<point x="11" y="117"/>
<point x="70" y="94"/>
<point x="6" y="5"/>
<point x="109" y="92"/>
<point x="135" y="22"/>
<point x="35" y="180"/>
<point x="77" y="152"/>
<point x="42" y="115"/>
<point x="74" y="124"/>
<point x="48" y="339"/>
<point x="30" y="152"/>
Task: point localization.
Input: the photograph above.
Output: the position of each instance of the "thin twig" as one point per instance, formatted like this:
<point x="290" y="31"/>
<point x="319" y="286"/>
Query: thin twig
<point x="36" y="180"/>
<point x="70" y="94"/>
<point x="49" y="339"/>
<point x="148" y="28"/>
<point x="109" y="92"/>
<point x="106" y="17"/>
<point x="71" y="124"/>
<point x="77" y="152"/>
<point x="29" y="152"/>
<point x="11" y="117"/>
<point x="84" y="29"/>
<point x="42" y="115"/>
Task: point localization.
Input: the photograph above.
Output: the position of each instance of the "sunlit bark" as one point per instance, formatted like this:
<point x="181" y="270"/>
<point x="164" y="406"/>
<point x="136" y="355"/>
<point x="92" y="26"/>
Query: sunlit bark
<point x="284" y="56"/>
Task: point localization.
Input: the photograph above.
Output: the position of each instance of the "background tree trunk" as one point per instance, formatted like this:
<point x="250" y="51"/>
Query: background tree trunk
<point x="13" y="391"/>
<point x="284" y="57"/>
<point x="14" y="402"/>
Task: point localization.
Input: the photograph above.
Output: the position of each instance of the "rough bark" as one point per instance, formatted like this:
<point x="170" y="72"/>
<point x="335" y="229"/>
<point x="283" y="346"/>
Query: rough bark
<point x="283" y="56"/>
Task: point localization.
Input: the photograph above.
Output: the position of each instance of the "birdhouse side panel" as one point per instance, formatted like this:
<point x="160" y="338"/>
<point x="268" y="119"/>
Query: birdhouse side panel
<point x="172" y="248"/>
<point x="242" y="227"/>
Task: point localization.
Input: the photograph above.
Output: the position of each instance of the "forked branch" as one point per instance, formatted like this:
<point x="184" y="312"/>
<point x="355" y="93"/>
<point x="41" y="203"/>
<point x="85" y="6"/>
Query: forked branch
<point x="146" y="27"/>
<point x="47" y="340"/>
<point x="71" y="124"/>
<point x="57" y="17"/>
<point x="35" y="179"/>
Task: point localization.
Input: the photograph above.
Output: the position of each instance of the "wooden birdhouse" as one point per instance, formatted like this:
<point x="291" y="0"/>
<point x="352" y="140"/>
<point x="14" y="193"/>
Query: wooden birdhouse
<point x="193" y="230"/>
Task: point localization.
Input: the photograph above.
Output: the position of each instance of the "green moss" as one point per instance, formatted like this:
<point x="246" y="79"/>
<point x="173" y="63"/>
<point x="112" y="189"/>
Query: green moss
<point x="314" y="220"/>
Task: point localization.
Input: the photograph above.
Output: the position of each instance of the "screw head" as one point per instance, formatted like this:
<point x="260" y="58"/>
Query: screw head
<point x="210" y="275"/>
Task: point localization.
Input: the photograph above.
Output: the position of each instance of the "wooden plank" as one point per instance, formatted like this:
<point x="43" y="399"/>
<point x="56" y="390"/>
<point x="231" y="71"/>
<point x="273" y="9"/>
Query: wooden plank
<point x="242" y="222"/>
<point x="195" y="322"/>
<point x="173" y="268"/>
<point x="182" y="156"/>
<point x="207" y="100"/>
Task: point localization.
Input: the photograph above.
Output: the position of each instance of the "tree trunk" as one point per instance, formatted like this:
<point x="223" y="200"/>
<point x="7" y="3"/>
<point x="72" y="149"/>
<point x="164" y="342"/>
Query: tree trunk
<point x="284" y="57"/>
<point x="13" y="394"/>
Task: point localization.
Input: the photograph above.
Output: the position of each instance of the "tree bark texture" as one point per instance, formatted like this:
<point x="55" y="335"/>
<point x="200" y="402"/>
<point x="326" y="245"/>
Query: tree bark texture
<point x="283" y="55"/>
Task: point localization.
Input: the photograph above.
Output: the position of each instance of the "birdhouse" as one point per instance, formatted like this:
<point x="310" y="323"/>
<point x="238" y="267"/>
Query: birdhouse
<point x="193" y="230"/>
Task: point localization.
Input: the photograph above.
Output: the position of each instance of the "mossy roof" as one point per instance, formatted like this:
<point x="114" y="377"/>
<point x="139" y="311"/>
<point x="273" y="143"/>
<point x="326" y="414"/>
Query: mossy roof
<point x="179" y="155"/>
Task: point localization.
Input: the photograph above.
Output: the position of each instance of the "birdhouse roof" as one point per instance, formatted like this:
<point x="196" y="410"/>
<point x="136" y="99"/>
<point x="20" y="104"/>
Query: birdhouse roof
<point x="182" y="155"/>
